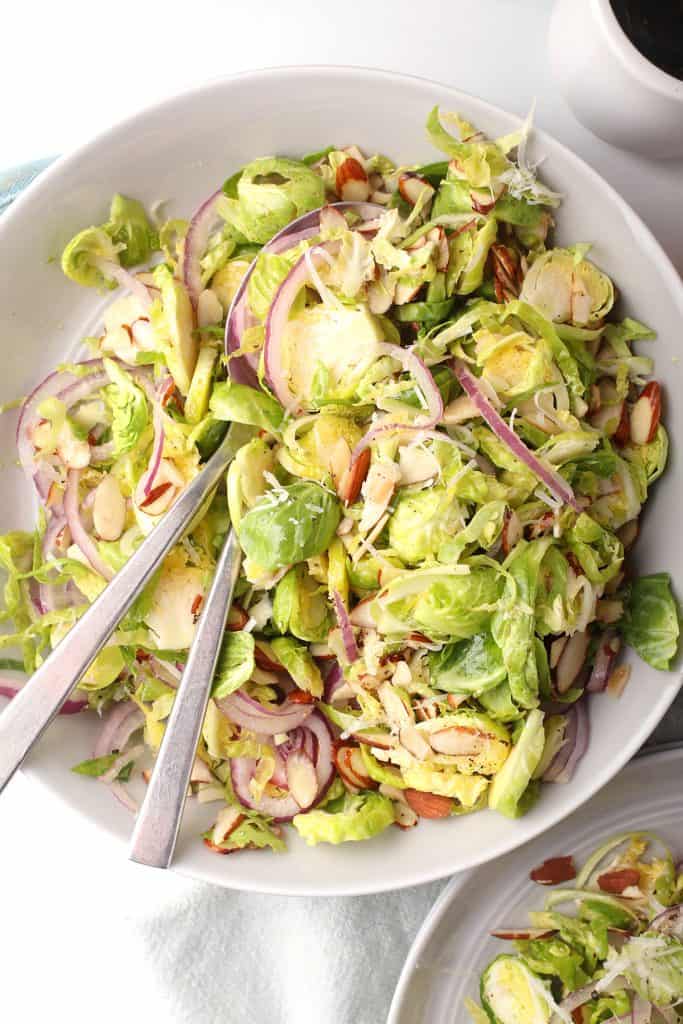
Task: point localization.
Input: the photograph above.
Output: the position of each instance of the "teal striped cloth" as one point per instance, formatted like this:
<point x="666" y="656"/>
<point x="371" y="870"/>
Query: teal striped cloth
<point x="15" y="179"/>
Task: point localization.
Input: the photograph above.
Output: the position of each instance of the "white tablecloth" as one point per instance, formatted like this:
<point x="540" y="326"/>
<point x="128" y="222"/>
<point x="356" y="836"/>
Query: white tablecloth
<point x="83" y="933"/>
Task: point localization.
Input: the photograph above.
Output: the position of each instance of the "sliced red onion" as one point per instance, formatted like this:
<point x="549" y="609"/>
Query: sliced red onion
<point x="285" y="808"/>
<point x="10" y="687"/>
<point x="561" y="768"/>
<point x="333" y="681"/>
<point x="348" y="638"/>
<point x="669" y="922"/>
<point x="276" y="322"/>
<point x="122" y="721"/>
<point x="251" y="714"/>
<point x="195" y="244"/>
<point x="82" y="388"/>
<point x="121" y="761"/>
<point x="578" y="998"/>
<point x="602" y="666"/>
<point x="28" y="417"/>
<point x="555" y="483"/>
<point x="243" y="368"/>
<point x="47" y="591"/>
<point x="120" y="792"/>
<point x="126" y="280"/>
<point x="412" y="364"/>
<point x="641" y="1010"/>
<point x="79" y="535"/>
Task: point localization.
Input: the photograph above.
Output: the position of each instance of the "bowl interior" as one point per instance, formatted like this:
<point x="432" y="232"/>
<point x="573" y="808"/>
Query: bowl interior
<point x="180" y="151"/>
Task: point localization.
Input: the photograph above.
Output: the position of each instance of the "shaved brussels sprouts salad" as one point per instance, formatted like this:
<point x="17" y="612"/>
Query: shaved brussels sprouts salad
<point x="608" y="945"/>
<point x="448" y="440"/>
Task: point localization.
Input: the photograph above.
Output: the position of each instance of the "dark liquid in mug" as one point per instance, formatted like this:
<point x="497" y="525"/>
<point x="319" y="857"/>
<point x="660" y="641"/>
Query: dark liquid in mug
<point x="655" y="27"/>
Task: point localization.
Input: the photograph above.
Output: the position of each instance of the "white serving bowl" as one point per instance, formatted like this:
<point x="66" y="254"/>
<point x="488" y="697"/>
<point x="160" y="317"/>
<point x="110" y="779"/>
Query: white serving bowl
<point x="180" y="151"/>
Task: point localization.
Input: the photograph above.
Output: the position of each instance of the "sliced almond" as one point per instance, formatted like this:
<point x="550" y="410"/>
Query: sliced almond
<point x="302" y="780"/>
<point x="352" y="479"/>
<point x="412" y="187"/>
<point x="379" y="489"/>
<point x="396" y="711"/>
<point x="332" y="219"/>
<point x="361" y="617"/>
<point x="109" y="509"/>
<point x="339" y="461"/>
<point x="646" y="413"/>
<point x="616" y="684"/>
<point x="571" y="661"/>
<point x="618" y="880"/>
<point x="405" y="292"/>
<point x="404" y="815"/>
<point x="375" y="738"/>
<point x="380" y="294"/>
<point x="351" y="182"/>
<point x="414" y="742"/>
<point x="356" y="764"/>
<point x="554" y="871"/>
<point x="609" y="417"/>
<point x="201" y="771"/>
<point x="457" y="741"/>
<point x="429" y="805"/>
<point x="226" y="823"/>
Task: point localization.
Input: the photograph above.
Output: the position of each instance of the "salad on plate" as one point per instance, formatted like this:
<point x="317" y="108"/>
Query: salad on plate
<point x="447" y="442"/>
<point x="608" y="945"/>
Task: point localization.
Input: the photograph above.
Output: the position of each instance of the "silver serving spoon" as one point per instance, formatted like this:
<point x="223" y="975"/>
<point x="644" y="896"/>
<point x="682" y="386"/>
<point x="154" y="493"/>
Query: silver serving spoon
<point x="23" y="722"/>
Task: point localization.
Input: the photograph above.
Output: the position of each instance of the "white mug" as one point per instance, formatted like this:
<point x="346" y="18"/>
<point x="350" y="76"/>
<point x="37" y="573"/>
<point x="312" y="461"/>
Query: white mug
<point x="610" y="86"/>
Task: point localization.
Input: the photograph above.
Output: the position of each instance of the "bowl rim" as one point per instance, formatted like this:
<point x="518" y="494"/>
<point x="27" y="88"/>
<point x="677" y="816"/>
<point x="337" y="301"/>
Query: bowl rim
<point x="419" y="873"/>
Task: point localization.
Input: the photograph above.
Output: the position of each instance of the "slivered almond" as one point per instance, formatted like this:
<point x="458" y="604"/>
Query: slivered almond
<point x="457" y="741"/>
<point x="554" y="871"/>
<point x="429" y="805"/>
<point x="264" y="657"/>
<point x="414" y="742"/>
<point x="619" y="879"/>
<point x="351" y="181"/>
<point x="352" y="480"/>
<point x="226" y="823"/>
<point x="646" y="413"/>
<point x="571" y="661"/>
<point x="413" y="186"/>
<point x="512" y="530"/>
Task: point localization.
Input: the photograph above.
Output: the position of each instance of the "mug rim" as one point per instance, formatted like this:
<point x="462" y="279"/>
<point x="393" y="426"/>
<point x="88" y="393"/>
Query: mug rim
<point x="649" y="73"/>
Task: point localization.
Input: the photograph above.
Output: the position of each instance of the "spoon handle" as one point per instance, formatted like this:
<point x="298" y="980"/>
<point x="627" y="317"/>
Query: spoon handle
<point x="23" y="722"/>
<point x="158" y="822"/>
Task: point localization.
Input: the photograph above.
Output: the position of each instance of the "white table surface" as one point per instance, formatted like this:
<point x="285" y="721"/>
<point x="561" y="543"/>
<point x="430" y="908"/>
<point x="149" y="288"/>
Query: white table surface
<point x="83" y="933"/>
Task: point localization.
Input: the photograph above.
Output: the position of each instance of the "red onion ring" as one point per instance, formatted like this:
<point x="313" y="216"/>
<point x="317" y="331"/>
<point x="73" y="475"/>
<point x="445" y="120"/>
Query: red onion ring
<point x="52" y="532"/>
<point x="412" y="364"/>
<point x="555" y="483"/>
<point x="79" y="535"/>
<point x="120" y="724"/>
<point x="285" y="808"/>
<point x="9" y="688"/>
<point x="562" y="767"/>
<point x="243" y="369"/>
<point x="251" y="714"/>
<point x="276" y="322"/>
<point x="348" y="638"/>
<point x="196" y="240"/>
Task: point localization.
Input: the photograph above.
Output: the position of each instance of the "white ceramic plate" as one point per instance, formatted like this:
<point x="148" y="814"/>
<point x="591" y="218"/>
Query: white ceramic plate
<point x="180" y="151"/>
<point x="454" y="944"/>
